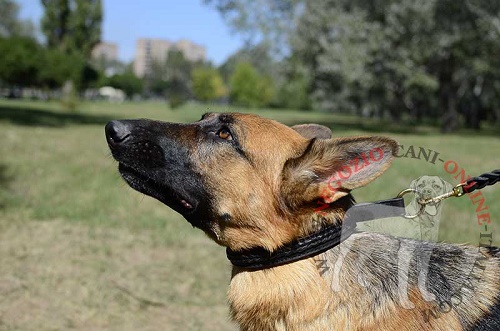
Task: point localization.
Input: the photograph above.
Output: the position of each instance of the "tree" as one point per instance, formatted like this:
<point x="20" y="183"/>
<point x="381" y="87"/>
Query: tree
<point x="268" y="20"/>
<point x="327" y="43"/>
<point x="175" y="67"/>
<point x="128" y="82"/>
<point x="404" y="57"/>
<point x="207" y="84"/>
<point x="267" y="26"/>
<point x="171" y="78"/>
<point x="10" y="24"/>
<point x="468" y="34"/>
<point x="88" y="77"/>
<point x="398" y="59"/>
<point x="248" y="88"/>
<point x="56" y="23"/>
<point x="293" y="91"/>
<point x="20" y="61"/>
<point x="72" y="25"/>
<point x="86" y="25"/>
<point x="178" y="67"/>
<point x="178" y="92"/>
<point x="59" y="67"/>
<point x="259" y="56"/>
<point x="108" y="66"/>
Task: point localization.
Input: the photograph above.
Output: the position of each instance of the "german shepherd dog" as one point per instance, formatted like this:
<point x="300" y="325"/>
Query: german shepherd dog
<point x="251" y="182"/>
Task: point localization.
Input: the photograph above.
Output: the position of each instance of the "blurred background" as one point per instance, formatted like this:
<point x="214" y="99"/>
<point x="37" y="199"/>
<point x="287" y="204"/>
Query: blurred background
<point x="80" y="250"/>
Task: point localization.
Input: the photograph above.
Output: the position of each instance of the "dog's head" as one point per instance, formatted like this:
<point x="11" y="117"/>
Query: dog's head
<point x="245" y="180"/>
<point x="429" y="187"/>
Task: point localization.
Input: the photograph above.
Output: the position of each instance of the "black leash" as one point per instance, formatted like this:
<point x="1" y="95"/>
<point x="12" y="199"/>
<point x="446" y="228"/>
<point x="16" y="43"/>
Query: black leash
<point x="479" y="182"/>
<point x="333" y="235"/>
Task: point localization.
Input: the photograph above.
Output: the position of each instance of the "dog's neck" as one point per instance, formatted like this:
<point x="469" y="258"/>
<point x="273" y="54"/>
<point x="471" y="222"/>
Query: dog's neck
<point x="324" y="215"/>
<point x="319" y="231"/>
<point x="327" y="237"/>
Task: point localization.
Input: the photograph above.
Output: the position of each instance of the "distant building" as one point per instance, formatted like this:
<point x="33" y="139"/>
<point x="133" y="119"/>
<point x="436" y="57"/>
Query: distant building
<point x="105" y="51"/>
<point x="149" y="50"/>
<point x="192" y="52"/>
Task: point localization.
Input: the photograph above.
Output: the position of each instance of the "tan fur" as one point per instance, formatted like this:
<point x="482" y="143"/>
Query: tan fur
<point x="266" y="195"/>
<point x="297" y="298"/>
<point x="254" y="187"/>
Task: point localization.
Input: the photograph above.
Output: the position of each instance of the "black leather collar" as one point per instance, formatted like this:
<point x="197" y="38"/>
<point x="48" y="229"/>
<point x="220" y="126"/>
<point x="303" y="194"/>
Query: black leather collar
<point x="318" y="242"/>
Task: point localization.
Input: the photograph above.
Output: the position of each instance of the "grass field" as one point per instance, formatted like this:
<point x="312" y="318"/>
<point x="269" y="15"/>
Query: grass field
<point x="79" y="250"/>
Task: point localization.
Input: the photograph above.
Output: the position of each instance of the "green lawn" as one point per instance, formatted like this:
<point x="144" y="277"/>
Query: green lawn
<point x="80" y="250"/>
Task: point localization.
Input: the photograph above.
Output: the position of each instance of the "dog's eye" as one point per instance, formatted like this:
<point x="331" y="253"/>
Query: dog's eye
<point x="224" y="134"/>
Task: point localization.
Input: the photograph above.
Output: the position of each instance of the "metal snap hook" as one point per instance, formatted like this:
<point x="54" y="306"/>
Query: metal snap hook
<point x="422" y="206"/>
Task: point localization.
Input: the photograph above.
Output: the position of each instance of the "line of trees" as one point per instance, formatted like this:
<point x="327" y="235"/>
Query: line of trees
<point x="71" y="27"/>
<point x="432" y="60"/>
<point x="238" y="81"/>
<point x="398" y="59"/>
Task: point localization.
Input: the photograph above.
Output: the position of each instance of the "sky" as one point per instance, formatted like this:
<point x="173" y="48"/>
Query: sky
<point x="125" y="21"/>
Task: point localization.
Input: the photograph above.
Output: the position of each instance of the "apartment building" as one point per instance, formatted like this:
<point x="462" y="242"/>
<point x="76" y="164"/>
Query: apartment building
<point x="150" y="50"/>
<point x="105" y="51"/>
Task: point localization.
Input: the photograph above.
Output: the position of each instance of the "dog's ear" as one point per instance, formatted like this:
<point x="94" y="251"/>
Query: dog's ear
<point x="447" y="187"/>
<point x="414" y="182"/>
<point x="330" y="169"/>
<point x="311" y="131"/>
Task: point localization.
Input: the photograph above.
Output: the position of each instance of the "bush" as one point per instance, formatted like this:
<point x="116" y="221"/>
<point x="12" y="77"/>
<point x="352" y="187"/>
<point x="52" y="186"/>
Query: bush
<point x="59" y="67"/>
<point x="250" y="89"/>
<point x="207" y="84"/>
<point x="20" y="61"/>
<point x="128" y="82"/>
<point x="178" y="93"/>
<point x="293" y="94"/>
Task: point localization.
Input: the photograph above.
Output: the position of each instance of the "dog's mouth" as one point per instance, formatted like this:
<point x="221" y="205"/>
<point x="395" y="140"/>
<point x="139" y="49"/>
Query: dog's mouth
<point x="155" y="188"/>
<point x="430" y="209"/>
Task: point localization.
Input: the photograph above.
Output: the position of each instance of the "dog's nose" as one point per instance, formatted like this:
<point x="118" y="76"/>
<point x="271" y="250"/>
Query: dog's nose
<point x="116" y="132"/>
